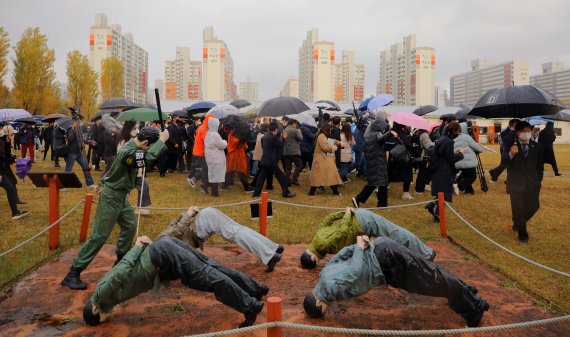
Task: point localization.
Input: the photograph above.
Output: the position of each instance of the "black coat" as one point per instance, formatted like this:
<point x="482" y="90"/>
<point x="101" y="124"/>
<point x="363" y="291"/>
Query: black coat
<point x="272" y="149"/>
<point x="47" y="135"/>
<point x="174" y="138"/>
<point x="444" y="176"/>
<point x="546" y="139"/>
<point x="397" y="170"/>
<point x="375" y="154"/>
<point x="524" y="175"/>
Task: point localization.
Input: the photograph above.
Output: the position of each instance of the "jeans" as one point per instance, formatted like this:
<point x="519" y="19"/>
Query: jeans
<point x="358" y="163"/>
<point x="344" y="170"/>
<point x="78" y="157"/>
<point x="145" y="192"/>
<point x="254" y="167"/>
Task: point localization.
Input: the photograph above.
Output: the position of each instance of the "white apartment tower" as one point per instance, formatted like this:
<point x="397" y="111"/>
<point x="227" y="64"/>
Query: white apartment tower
<point x="291" y="87"/>
<point x="348" y="79"/>
<point x="249" y="91"/>
<point x="218" y="69"/>
<point x="107" y="41"/>
<point x="407" y="72"/>
<point x="183" y="77"/>
<point x="468" y="87"/>
<point x="316" y="68"/>
<point x="554" y="79"/>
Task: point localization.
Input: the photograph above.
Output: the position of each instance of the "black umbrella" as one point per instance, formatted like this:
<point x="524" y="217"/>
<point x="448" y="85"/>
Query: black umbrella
<point x="446" y="116"/>
<point x="240" y="103"/>
<point x="27" y="120"/>
<point x="52" y="117"/>
<point x="119" y="103"/>
<point x="516" y="102"/>
<point x="563" y="116"/>
<point x="424" y="110"/>
<point x="199" y="107"/>
<point x="464" y="113"/>
<point x="100" y="114"/>
<point x="281" y="106"/>
<point x="331" y="103"/>
<point x="64" y="123"/>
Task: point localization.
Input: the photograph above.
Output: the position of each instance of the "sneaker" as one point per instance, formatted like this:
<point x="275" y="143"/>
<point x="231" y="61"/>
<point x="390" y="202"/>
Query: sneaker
<point x="428" y="188"/>
<point x="93" y="187"/>
<point x="407" y="196"/>
<point x="474" y="319"/>
<point x="203" y="190"/>
<point x="142" y="211"/>
<point x="271" y="264"/>
<point x="558" y="174"/>
<point x="280" y="249"/>
<point x="456" y="189"/>
<point x="249" y="190"/>
<point x="20" y="214"/>
<point x="191" y="182"/>
<point x="355" y="203"/>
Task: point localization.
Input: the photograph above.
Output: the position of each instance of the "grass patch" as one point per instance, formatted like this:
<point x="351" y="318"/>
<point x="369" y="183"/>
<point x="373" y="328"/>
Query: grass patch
<point x="489" y="212"/>
<point x="175" y="308"/>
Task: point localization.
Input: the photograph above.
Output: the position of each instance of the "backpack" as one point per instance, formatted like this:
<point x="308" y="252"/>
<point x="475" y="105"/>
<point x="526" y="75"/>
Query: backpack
<point x="430" y="158"/>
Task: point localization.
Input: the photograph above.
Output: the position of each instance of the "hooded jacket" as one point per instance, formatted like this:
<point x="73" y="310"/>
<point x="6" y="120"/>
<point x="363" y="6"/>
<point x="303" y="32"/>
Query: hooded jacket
<point x="214" y="147"/>
<point x="198" y="149"/>
<point x="472" y="148"/>
<point x="375" y="154"/>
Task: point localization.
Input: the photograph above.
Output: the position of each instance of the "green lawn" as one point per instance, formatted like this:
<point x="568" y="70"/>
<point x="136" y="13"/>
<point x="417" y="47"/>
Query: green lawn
<point x="489" y="212"/>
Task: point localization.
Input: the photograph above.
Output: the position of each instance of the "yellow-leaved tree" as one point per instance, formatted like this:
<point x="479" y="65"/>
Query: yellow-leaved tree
<point x="82" y="84"/>
<point x="33" y="77"/>
<point x="112" y="78"/>
<point x="4" y="48"/>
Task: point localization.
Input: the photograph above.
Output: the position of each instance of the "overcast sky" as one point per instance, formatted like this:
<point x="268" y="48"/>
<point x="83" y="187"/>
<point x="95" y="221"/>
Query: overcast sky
<point x="264" y="36"/>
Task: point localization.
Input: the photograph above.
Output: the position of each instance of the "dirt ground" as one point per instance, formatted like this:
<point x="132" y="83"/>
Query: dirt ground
<point x="40" y="306"/>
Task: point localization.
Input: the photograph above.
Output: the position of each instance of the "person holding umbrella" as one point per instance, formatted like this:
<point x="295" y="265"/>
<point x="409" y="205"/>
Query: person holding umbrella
<point x="114" y="206"/>
<point x="324" y="171"/>
<point x="525" y="168"/>
<point x="546" y="139"/>
<point x="27" y="140"/>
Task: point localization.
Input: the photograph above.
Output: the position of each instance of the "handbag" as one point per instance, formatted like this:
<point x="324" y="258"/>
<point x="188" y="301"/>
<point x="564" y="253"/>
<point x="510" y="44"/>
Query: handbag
<point x="400" y="153"/>
<point x="62" y="150"/>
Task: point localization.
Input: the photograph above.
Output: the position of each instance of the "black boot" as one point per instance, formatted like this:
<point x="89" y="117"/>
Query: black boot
<point x="261" y="291"/>
<point x="251" y="314"/>
<point x="474" y="318"/>
<point x="334" y="189"/>
<point x="72" y="279"/>
<point x="271" y="264"/>
<point x="312" y="191"/>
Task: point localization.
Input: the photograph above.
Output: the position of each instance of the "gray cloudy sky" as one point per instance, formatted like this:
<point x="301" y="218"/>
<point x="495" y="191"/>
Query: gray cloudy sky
<point x="264" y="35"/>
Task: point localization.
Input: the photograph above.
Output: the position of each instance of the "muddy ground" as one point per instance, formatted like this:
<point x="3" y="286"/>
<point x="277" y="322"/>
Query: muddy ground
<point x="40" y="306"/>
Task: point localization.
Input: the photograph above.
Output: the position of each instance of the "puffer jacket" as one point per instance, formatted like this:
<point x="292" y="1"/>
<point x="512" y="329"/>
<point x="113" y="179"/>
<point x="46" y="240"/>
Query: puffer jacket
<point x="307" y="144"/>
<point x="469" y="156"/>
<point x="375" y="154"/>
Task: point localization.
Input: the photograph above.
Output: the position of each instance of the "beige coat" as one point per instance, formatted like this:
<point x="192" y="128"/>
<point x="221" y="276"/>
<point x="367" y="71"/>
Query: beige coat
<point x="324" y="172"/>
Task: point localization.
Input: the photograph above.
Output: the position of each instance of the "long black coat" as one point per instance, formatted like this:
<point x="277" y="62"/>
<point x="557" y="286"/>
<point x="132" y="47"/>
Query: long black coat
<point x="546" y="139"/>
<point x="524" y="174"/>
<point x="444" y="176"/>
<point x="397" y="170"/>
<point x="375" y="154"/>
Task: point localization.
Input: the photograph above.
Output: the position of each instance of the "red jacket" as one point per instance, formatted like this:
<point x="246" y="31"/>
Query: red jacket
<point x="198" y="149"/>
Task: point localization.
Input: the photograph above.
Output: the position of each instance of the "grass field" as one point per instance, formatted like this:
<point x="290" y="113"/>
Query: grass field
<point x="490" y="212"/>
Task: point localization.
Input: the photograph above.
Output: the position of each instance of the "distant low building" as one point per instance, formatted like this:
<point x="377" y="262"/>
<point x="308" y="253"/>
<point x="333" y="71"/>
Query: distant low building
<point x="249" y="91"/>
<point x="290" y="88"/>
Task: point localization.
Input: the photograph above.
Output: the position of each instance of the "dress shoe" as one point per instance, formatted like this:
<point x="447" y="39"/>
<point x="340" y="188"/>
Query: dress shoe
<point x="523" y="238"/>
<point x="280" y="249"/>
<point x="474" y="319"/>
<point x="288" y="195"/>
<point x="271" y="264"/>
<point x="261" y="291"/>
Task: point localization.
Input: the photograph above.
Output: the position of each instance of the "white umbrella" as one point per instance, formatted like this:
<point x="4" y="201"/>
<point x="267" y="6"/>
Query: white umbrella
<point x="8" y="115"/>
<point x="223" y="111"/>
<point x="303" y="118"/>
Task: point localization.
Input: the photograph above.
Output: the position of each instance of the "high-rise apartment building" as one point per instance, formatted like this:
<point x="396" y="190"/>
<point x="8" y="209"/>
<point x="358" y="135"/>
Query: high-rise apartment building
<point x="407" y="72"/>
<point x="107" y="41"/>
<point x="183" y="77"/>
<point x="441" y="98"/>
<point x="468" y="87"/>
<point x="348" y="79"/>
<point x="554" y="79"/>
<point x="291" y="87"/>
<point x="316" y="68"/>
<point x="249" y="91"/>
<point x="217" y="69"/>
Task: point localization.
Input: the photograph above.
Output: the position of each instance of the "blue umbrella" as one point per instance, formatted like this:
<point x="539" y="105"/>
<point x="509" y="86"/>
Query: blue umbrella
<point x="380" y="101"/>
<point x="199" y="107"/>
<point x="537" y="120"/>
<point x="364" y="105"/>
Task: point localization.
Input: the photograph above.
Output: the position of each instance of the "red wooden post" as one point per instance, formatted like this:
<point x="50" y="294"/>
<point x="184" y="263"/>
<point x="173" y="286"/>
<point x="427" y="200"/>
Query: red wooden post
<point x="274" y="314"/>
<point x="53" y="201"/>
<point x="441" y="209"/>
<point x="263" y="213"/>
<point x="86" y="214"/>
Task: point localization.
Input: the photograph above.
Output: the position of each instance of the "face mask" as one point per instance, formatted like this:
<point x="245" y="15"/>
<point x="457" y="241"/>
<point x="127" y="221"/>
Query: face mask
<point x="524" y="136"/>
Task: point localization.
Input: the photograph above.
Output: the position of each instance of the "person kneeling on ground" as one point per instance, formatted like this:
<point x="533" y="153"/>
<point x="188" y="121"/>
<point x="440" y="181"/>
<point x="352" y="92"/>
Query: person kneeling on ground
<point x="333" y="235"/>
<point x="149" y="263"/>
<point x="197" y="226"/>
<point x="358" y="268"/>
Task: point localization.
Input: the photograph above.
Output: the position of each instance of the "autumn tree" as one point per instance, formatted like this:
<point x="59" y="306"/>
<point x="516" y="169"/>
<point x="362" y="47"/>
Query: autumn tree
<point x="33" y="77"/>
<point x="4" y="47"/>
<point x="112" y="78"/>
<point x="82" y="84"/>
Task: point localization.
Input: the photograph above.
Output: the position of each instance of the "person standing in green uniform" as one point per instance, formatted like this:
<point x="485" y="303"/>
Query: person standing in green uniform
<point x="340" y="229"/>
<point x="114" y="206"/>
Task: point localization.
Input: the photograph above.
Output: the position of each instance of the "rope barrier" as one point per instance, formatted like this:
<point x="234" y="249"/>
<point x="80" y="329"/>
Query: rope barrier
<point x="186" y="208"/>
<point x="42" y="231"/>
<point x="503" y="247"/>
<point x="350" y="331"/>
<point x="343" y="208"/>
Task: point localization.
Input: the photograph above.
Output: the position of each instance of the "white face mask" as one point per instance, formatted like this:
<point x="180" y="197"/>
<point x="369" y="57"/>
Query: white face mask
<point x="525" y="136"/>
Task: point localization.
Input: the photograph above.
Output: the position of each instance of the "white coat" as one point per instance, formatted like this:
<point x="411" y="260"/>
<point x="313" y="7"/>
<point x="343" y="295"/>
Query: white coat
<point x="214" y="147"/>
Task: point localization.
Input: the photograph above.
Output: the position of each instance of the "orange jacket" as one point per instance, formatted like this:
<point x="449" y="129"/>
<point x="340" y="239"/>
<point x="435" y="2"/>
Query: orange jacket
<point x="198" y="149"/>
<point x="236" y="160"/>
